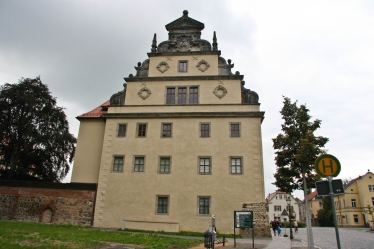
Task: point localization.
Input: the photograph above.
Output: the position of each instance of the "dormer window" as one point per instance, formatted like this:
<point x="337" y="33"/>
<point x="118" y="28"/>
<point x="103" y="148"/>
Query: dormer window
<point x="182" y="66"/>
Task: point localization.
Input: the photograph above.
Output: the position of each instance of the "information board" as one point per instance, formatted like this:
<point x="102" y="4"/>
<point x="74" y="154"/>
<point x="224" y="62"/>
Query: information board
<point x="243" y="219"/>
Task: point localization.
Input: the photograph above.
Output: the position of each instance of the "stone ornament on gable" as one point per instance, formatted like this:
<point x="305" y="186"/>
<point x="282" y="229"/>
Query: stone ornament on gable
<point x="163" y="66"/>
<point x="142" y="91"/>
<point x="220" y="91"/>
<point x="204" y="67"/>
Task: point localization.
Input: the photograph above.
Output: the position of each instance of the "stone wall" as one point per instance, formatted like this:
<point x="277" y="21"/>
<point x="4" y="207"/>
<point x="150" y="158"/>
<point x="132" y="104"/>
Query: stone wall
<point x="261" y="226"/>
<point x="69" y="203"/>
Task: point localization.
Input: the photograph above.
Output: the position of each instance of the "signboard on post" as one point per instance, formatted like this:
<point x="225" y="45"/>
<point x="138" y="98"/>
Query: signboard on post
<point x="327" y="165"/>
<point x="243" y="219"/>
<point x="323" y="187"/>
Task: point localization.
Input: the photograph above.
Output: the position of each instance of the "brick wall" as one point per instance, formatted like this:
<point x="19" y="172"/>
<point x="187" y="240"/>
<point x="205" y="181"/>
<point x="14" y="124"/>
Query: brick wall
<point x="68" y="203"/>
<point x="261" y="226"/>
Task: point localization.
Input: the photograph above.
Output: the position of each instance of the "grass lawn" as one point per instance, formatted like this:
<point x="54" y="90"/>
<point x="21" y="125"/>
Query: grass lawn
<point x="15" y="234"/>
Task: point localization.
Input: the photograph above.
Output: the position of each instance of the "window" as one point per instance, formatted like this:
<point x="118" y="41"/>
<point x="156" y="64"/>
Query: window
<point x="372" y="201"/>
<point x="280" y="197"/>
<point x="204" y="130"/>
<point x="170" y="95"/>
<point x="182" y="66"/>
<point x="162" y="204"/>
<point x="236" y="165"/>
<point x="142" y="130"/>
<point x="121" y="130"/>
<point x="204" y="165"/>
<point x="117" y="164"/>
<point x="194" y="94"/>
<point x="371" y="188"/>
<point x="204" y="205"/>
<point x="355" y="218"/>
<point x="139" y="164"/>
<point x="166" y="130"/>
<point x="182" y="95"/>
<point x="277" y="208"/>
<point x="285" y="197"/>
<point x="353" y="202"/>
<point x="235" y="130"/>
<point x="164" y="167"/>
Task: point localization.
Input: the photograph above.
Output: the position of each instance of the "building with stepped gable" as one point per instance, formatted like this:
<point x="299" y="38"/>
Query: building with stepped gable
<point x="179" y="143"/>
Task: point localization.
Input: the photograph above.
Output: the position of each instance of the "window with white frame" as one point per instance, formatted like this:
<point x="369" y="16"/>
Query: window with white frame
<point x="371" y="188"/>
<point x="204" y="165"/>
<point x="236" y="166"/>
<point x="353" y="202"/>
<point x="355" y="218"/>
<point x="280" y="197"/>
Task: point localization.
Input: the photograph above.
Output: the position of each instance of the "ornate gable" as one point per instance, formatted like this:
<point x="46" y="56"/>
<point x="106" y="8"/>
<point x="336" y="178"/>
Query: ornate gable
<point x="185" y="22"/>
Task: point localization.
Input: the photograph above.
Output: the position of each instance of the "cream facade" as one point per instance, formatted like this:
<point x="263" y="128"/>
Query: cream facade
<point x="315" y="204"/>
<point x="180" y="143"/>
<point x="352" y="208"/>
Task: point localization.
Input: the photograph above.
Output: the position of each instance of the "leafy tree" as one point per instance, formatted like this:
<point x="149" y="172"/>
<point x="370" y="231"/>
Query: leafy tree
<point x="297" y="148"/>
<point x="35" y="143"/>
<point x="325" y="215"/>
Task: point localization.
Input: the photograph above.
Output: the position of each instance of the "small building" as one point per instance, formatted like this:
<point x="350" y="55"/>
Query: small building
<point x="277" y="204"/>
<point x="180" y="142"/>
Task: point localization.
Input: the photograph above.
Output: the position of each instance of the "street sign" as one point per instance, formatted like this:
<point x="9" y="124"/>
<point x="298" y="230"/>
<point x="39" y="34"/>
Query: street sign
<point x="243" y="219"/>
<point x="327" y="165"/>
<point x="323" y="187"/>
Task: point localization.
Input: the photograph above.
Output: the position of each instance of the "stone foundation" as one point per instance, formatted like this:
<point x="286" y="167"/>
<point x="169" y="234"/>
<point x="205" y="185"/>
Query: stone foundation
<point x="261" y="219"/>
<point x="60" y="203"/>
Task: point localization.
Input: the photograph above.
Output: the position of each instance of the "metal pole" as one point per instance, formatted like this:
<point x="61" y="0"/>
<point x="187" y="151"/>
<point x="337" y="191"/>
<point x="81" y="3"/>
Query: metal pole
<point x="307" y="212"/>
<point x="289" y="212"/>
<point x="253" y="235"/>
<point x="333" y="211"/>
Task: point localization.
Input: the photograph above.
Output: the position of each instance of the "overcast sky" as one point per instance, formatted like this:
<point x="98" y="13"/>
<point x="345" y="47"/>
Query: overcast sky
<point x="320" y="53"/>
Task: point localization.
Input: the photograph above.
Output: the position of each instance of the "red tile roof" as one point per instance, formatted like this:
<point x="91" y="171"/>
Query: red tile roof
<point x="97" y="112"/>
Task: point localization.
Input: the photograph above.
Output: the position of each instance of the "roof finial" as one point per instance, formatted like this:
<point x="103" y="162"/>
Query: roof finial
<point x="215" y="44"/>
<point x="154" y="44"/>
<point x="185" y="13"/>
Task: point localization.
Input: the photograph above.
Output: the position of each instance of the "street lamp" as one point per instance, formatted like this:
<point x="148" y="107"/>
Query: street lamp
<point x="289" y="215"/>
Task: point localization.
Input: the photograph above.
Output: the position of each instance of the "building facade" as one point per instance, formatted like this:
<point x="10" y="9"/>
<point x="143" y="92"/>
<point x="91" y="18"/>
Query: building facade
<point x="353" y="208"/>
<point x="180" y="143"/>
<point x="315" y="204"/>
<point x="278" y="208"/>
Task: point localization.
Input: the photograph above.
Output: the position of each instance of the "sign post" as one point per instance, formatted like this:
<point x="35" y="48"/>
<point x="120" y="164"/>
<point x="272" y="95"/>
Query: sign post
<point x="243" y="219"/>
<point x="328" y="166"/>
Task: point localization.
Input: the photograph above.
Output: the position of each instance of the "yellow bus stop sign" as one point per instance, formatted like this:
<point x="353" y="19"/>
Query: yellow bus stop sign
<point x="327" y="165"/>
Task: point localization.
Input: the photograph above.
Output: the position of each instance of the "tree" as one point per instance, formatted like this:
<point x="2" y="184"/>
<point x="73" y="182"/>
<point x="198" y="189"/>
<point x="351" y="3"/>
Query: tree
<point x="35" y="143"/>
<point x="324" y="215"/>
<point x="296" y="150"/>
